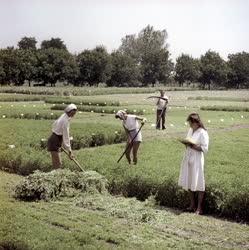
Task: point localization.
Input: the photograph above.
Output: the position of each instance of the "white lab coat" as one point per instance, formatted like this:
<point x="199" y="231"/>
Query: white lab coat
<point x="192" y="167"/>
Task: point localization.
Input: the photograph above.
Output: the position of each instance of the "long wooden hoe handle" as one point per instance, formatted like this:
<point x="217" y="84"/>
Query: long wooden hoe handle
<point x="74" y="160"/>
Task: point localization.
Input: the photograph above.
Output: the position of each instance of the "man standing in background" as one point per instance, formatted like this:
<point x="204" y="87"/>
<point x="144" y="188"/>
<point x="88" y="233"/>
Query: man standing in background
<point x="161" y="110"/>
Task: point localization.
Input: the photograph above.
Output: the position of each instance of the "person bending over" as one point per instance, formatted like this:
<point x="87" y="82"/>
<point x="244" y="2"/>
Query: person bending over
<point x="60" y="135"/>
<point x="131" y="126"/>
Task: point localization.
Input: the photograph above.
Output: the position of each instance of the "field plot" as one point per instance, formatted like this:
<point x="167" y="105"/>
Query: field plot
<point x="110" y="220"/>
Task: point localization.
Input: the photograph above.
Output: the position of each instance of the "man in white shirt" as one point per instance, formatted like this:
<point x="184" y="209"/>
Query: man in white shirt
<point x="60" y="135"/>
<point x="161" y="110"/>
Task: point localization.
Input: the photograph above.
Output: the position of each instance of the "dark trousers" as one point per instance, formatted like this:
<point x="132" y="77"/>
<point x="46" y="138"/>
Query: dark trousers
<point x="160" y="118"/>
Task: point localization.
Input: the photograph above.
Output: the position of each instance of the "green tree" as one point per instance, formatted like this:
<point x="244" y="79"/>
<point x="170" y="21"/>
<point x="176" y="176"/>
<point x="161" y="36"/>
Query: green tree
<point x="27" y="43"/>
<point x="238" y="75"/>
<point x="187" y="69"/>
<point x="124" y="70"/>
<point x="129" y="47"/>
<point x="94" y="65"/>
<point x="150" y="50"/>
<point x="55" y="65"/>
<point x="213" y="70"/>
<point x="156" y="67"/>
<point x="10" y="66"/>
<point x="27" y="65"/>
<point x="55" y="43"/>
<point x="2" y="73"/>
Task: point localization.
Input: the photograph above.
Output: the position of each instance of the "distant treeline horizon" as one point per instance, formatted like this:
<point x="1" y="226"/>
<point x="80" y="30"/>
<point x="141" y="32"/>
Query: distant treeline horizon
<point x="141" y="60"/>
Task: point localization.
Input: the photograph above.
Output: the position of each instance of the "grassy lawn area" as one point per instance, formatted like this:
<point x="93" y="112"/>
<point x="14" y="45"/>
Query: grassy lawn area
<point x="107" y="222"/>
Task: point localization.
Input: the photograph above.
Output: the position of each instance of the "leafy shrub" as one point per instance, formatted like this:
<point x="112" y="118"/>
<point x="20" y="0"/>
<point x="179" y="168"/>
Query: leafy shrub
<point x="138" y="187"/>
<point x="224" y="203"/>
<point x="59" y="183"/>
<point x="13" y="245"/>
<point x="24" y="163"/>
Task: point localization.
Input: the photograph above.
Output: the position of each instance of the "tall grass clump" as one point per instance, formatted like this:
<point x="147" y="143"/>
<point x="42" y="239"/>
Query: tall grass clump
<point x="24" y="162"/>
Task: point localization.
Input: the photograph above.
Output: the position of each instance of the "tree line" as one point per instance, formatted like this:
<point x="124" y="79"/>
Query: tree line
<point x="142" y="59"/>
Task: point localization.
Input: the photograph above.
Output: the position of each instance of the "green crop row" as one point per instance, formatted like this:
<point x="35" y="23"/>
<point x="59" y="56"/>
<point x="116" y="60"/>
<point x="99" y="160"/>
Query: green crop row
<point x="95" y="109"/>
<point x="31" y="116"/>
<point x="67" y="100"/>
<point x="93" y="139"/>
<point x="73" y="91"/>
<point x="33" y="134"/>
<point x="84" y="91"/>
<point x="217" y="98"/>
<point x="225" y="108"/>
<point x="21" y="98"/>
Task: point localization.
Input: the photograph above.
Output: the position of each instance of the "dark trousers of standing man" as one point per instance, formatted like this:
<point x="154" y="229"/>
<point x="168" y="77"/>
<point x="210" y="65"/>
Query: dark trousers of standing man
<point x="160" y="116"/>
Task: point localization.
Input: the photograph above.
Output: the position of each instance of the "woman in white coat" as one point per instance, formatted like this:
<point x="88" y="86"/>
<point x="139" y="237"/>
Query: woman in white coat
<point x="192" y="168"/>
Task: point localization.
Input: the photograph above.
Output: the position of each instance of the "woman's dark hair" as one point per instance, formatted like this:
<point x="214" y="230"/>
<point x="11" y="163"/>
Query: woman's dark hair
<point x="195" y="118"/>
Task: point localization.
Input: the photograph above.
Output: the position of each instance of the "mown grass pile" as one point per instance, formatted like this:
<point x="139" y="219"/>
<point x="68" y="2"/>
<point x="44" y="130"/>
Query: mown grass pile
<point x="130" y="209"/>
<point x="59" y="183"/>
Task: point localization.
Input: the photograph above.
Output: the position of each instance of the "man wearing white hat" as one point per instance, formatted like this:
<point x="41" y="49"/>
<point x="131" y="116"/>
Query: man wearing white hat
<point x="134" y="136"/>
<point x="60" y="134"/>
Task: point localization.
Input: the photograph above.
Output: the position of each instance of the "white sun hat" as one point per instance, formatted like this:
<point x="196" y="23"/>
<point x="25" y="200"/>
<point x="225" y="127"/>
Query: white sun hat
<point x="70" y="107"/>
<point x="120" y="114"/>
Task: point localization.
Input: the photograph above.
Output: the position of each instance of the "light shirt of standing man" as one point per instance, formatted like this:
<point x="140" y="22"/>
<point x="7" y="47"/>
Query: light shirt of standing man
<point x="161" y="110"/>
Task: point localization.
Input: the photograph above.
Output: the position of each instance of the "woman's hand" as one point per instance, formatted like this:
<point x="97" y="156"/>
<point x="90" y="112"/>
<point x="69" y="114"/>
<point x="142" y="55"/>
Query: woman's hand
<point x="143" y="121"/>
<point x="196" y="147"/>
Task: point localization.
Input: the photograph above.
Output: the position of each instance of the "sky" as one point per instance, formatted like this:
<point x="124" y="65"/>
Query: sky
<point x="193" y="26"/>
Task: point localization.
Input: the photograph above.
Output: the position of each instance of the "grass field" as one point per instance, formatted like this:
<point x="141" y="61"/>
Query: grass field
<point x="105" y="222"/>
<point x="97" y="221"/>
